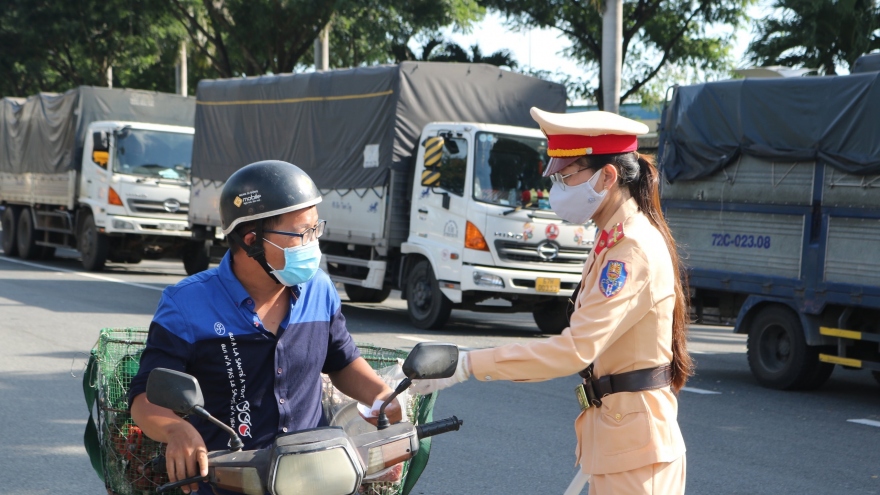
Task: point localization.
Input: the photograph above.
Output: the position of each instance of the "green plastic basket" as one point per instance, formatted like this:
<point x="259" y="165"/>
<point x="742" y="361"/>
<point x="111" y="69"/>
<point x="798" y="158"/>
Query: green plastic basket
<point x="126" y="453"/>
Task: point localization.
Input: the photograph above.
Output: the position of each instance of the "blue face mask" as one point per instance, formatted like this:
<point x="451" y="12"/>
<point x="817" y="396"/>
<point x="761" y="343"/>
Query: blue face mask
<point x="300" y="263"/>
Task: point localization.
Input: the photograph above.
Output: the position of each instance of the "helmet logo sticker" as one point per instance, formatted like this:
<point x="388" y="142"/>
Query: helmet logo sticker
<point x="247" y="198"/>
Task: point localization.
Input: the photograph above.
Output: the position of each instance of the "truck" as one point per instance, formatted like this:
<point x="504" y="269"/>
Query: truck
<point x="771" y="190"/>
<point x="430" y="175"/>
<point x="99" y="170"/>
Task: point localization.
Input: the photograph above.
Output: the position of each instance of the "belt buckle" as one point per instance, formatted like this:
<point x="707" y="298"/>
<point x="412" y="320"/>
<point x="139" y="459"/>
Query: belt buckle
<point x="582" y="397"/>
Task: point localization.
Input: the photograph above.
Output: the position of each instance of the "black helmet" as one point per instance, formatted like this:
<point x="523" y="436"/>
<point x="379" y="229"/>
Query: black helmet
<point x="265" y="189"/>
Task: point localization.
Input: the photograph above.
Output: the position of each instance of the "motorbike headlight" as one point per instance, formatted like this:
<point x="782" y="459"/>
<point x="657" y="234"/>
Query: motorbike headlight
<point x="317" y="462"/>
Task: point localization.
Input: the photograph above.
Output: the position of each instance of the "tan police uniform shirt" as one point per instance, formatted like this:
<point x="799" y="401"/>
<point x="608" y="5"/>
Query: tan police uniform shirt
<point x="619" y="326"/>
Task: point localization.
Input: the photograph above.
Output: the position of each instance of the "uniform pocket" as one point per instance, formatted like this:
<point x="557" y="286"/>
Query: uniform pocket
<point x="623" y="424"/>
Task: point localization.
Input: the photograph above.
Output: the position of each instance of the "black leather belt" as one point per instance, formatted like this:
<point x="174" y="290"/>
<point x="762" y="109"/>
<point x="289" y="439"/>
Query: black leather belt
<point x="591" y="392"/>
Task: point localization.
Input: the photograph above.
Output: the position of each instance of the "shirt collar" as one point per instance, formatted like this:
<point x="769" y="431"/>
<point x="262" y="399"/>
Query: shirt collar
<point x="626" y="210"/>
<point x="230" y="282"/>
<point x="237" y="291"/>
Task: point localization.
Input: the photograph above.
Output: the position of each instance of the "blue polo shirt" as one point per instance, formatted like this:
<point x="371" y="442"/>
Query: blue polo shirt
<point x="260" y="384"/>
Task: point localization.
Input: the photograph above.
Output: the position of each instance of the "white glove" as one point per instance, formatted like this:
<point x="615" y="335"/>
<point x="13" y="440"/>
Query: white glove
<point x="462" y="373"/>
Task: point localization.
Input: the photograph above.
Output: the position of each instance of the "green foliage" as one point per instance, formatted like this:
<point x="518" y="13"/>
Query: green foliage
<point x="380" y="31"/>
<point x="252" y="37"/>
<point x="659" y="36"/>
<point x="55" y="45"/>
<point x="817" y="34"/>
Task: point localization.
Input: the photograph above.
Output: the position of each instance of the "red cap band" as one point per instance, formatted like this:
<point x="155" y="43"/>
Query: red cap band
<point x="561" y="145"/>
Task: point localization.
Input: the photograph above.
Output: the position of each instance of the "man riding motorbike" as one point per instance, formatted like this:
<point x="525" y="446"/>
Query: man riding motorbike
<point x="257" y="331"/>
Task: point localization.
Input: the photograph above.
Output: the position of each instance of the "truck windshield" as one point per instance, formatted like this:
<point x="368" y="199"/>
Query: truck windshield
<point x="156" y="154"/>
<point x="507" y="171"/>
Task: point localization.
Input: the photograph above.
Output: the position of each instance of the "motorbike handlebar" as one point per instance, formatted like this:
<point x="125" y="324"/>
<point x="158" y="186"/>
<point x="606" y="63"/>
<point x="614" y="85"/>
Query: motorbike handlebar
<point x="438" y="427"/>
<point x="177" y="484"/>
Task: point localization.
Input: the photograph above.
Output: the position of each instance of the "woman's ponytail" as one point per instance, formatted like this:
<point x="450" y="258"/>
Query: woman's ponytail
<point x="646" y="191"/>
<point x="640" y="176"/>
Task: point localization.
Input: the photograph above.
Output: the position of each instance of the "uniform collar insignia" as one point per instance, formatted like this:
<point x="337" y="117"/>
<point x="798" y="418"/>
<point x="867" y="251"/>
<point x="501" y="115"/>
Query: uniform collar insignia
<point x="609" y="238"/>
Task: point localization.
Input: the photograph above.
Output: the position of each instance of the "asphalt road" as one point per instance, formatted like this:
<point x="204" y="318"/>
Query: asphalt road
<point x="517" y="438"/>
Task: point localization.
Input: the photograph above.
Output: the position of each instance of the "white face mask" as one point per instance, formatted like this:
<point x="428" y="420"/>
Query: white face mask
<point x="577" y="204"/>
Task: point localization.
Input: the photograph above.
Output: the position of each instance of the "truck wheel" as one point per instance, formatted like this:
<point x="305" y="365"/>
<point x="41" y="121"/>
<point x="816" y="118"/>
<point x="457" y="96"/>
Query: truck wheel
<point x="196" y="257"/>
<point x="26" y="236"/>
<point x="358" y="294"/>
<point x="93" y="246"/>
<point x="551" y="317"/>
<point x="426" y="306"/>
<point x="10" y="247"/>
<point x="778" y="354"/>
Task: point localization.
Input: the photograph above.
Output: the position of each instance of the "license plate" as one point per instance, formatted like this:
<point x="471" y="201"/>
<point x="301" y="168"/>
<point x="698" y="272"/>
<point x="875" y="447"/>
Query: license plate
<point x="543" y="284"/>
<point x="171" y="226"/>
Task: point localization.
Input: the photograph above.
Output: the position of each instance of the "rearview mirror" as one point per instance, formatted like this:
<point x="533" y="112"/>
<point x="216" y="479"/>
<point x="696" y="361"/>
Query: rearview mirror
<point x="431" y="360"/>
<point x="174" y="390"/>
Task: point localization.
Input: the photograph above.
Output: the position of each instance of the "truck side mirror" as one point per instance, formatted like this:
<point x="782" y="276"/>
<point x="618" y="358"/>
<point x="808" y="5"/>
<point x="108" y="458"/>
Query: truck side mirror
<point x="433" y="153"/>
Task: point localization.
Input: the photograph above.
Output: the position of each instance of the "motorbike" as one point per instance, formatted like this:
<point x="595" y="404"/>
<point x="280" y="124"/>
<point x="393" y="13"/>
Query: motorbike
<point x="319" y="461"/>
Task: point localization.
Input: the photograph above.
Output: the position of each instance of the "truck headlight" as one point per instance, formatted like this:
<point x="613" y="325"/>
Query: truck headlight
<point x="318" y="462"/>
<point x="122" y="225"/>
<point x="487" y="279"/>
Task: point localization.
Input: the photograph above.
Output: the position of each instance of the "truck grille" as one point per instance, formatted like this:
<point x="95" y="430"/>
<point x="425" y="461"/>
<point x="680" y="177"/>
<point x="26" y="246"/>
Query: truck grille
<point x="158" y="207"/>
<point x="542" y="252"/>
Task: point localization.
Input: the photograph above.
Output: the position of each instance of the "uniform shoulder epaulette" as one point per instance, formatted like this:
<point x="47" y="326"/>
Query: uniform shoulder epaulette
<point x="609" y="238"/>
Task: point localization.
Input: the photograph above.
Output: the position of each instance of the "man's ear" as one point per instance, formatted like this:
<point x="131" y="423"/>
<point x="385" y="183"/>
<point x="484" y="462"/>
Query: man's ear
<point x="250" y="238"/>
<point x="609" y="177"/>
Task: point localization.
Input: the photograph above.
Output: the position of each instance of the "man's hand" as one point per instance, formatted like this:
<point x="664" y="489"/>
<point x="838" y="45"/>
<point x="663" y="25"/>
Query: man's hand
<point x="186" y="455"/>
<point x="393" y="412"/>
<point x="462" y="373"/>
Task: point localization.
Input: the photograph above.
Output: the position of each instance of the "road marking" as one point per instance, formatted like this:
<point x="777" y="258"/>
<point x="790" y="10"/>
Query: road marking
<point x="699" y="391"/>
<point x="869" y="422"/>
<point x="88" y="275"/>
<point x="414" y="339"/>
<point x="700" y="352"/>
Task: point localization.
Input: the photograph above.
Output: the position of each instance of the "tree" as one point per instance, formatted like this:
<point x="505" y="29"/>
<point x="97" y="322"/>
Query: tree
<point x="818" y="34"/>
<point x="657" y="34"/>
<point x="452" y="52"/>
<point x="381" y="31"/>
<point x="253" y="37"/>
<point x="54" y="46"/>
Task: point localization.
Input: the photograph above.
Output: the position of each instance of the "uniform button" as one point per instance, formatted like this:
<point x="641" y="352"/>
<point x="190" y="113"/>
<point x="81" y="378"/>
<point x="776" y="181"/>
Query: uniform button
<point x="284" y="429"/>
<point x="281" y="401"/>
<point x="617" y="416"/>
<point x="488" y="378"/>
<point x="279" y="371"/>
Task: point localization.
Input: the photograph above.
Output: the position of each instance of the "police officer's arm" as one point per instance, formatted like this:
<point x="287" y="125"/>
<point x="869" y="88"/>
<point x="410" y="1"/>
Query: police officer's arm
<point x="598" y="323"/>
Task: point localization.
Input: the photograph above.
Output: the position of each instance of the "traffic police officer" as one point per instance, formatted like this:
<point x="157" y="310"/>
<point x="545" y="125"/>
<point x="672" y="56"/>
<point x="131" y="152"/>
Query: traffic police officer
<point x="627" y="334"/>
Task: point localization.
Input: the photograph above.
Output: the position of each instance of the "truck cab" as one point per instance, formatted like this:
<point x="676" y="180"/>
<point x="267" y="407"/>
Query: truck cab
<point x="482" y="228"/>
<point x="133" y="193"/>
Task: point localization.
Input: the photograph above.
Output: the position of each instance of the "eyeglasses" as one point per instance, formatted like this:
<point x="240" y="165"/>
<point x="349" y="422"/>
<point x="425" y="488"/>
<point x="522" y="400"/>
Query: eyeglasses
<point x="307" y="235"/>
<point x="560" y="179"/>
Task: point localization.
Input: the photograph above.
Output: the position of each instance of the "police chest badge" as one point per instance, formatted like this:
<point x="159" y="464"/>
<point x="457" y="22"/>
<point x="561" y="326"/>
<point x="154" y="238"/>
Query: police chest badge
<point x="613" y="277"/>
